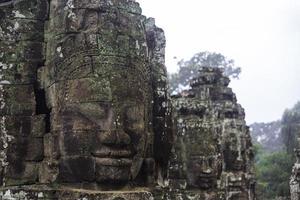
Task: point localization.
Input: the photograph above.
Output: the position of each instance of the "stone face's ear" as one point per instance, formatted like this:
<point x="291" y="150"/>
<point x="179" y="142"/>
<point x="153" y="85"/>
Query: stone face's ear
<point x="162" y="122"/>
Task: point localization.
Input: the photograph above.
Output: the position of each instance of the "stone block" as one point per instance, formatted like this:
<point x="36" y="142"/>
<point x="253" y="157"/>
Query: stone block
<point x="19" y="73"/>
<point x="27" y="174"/>
<point x="105" y="174"/>
<point x="16" y="152"/>
<point x="22" y="29"/>
<point x="38" y="126"/>
<point x="18" y="100"/>
<point x="76" y="169"/>
<point x="222" y="94"/>
<point x="51" y="146"/>
<point x="78" y="143"/>
<point x="48" y="171"/>
<point x="18" y="126"/>
<point x="31" y="9"/>
<point x="23" y="51"/>
<point x="25" y="126"/>
<point x="24" y="148"/>
<point x="35" y="149"/>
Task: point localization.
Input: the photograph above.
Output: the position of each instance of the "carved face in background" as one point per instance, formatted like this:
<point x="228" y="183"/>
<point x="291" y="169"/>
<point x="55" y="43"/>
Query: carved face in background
<point x="234" y="150"/>
<point x="203" y="160"/>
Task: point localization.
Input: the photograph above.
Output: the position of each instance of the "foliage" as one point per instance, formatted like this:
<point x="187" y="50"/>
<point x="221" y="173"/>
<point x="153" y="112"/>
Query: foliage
<point x="273" y="171"/>
<point x="190" y="68"/>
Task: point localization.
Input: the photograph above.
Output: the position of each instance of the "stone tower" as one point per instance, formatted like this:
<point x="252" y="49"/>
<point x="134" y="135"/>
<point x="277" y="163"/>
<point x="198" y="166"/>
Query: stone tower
<point x="212" y="155"/>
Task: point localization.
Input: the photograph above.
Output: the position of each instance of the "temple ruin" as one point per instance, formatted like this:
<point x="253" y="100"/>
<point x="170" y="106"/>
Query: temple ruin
<point x="85" y="111"/>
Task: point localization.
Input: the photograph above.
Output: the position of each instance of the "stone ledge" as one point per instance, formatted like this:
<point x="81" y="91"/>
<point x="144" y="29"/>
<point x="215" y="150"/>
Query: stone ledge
<point x="48" y="193"/>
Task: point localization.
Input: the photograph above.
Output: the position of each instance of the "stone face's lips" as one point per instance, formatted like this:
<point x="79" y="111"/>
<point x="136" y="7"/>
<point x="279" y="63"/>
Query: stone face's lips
<point x="111" y="156"/>
<point x="105" y="152"/>
<point x="116" y="162"/>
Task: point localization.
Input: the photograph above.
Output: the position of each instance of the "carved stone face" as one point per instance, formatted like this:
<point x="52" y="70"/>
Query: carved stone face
<point x="99" y="90"/>
<point x="234" y="151"/>
<point x="103" y="121"/>
<point x="235" y="186"/>
<point x="203" y="159"/>
<point x="203" y="172"/>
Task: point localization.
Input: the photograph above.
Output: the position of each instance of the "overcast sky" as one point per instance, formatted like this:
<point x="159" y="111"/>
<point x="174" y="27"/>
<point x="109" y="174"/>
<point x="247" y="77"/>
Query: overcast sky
<point x="262" y="36"/>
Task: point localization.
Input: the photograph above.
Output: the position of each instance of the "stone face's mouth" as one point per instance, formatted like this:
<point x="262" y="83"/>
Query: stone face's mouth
<point x="112" y="156"/>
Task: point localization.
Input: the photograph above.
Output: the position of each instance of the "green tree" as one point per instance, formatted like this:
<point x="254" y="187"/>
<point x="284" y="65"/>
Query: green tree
<point x="273" y="171"/>
<point x="190" y="68"/>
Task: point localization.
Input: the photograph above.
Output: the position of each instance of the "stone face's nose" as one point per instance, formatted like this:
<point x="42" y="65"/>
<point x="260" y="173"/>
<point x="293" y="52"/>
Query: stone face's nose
<point x="206" y="168"/>
<point x="114" y="137"/>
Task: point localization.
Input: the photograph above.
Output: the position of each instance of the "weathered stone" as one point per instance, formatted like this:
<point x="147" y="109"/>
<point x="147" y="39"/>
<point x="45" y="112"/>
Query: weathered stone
<point x="19" y="100"/>
<point x="213" y="150"/>
<point x="99" y="88"/>
<point x="24" y="126"/>
<point x="35" y="149"/>
<point x="47" y="193"/>
<point x="19" y="73"/>
<point x="21" y="54"/>
<point x="76" y="169"/>
<point x="23" y="174"/>
<point x="50" y="146"/>
<point x="85" y="110"/>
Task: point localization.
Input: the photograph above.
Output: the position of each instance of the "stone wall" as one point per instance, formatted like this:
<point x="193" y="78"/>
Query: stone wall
<point x="22" y="111"/>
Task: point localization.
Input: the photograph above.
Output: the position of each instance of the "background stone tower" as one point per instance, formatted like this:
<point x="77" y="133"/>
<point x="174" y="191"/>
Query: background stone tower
<point x="212" y="154"/>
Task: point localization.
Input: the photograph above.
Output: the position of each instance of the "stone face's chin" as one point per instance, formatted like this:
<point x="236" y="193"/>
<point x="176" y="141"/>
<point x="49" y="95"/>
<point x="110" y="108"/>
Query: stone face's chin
<point x="238" y="165"/>
<point x="206" y="182"/>
<point x="202" y="180"/>
<point x="114" y="162"/>
<point x="110" y="170"/>
<point x="113" y="166"/>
